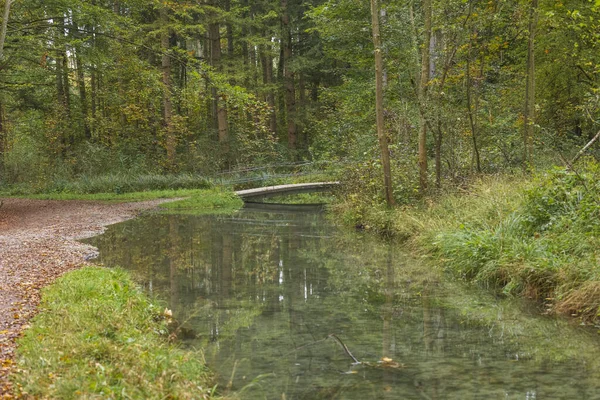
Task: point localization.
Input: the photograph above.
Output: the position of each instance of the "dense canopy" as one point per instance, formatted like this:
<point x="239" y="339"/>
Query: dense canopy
<point x="126" y="86"/>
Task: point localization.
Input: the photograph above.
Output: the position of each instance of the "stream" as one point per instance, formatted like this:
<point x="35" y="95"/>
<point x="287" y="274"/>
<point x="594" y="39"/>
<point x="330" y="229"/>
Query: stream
<point x="284" y="304"/>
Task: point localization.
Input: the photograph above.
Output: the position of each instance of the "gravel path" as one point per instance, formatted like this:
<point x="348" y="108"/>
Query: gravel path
<point x="38" y="243"/>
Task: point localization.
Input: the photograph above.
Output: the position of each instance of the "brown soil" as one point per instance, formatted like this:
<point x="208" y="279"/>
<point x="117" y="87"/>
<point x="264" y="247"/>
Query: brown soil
<point x="38" y="243"/>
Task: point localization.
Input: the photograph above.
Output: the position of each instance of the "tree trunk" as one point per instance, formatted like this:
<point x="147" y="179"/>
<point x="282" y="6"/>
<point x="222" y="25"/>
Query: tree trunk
<point x="7" y="4"/>
<point x="2" y="124"/>
<point x="302" y="106"/>
<point x="167" y="89"/>
<point x="267" y="61"/>
<point x="383" y="140"/>
<point x="2" y="139"/>
<point x="425" y="70"/>
<point x="94" y="101"/>
<point x="82" y="95"/>
<point x="229" y="27"/>
<point x="438" y="154"/>
<point x="219" y="101"/>
<point x="288" y="77"/>
<point x="472" y="115"/>
<point x="529" y="110"/>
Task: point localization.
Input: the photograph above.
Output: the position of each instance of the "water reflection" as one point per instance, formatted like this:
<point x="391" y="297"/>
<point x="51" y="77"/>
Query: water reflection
<point x="262" y="292"/>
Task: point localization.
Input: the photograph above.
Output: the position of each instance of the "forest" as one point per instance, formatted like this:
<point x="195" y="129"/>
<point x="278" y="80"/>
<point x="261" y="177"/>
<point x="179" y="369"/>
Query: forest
<point x="131" y="88"/>
<point x="464" y="135"/>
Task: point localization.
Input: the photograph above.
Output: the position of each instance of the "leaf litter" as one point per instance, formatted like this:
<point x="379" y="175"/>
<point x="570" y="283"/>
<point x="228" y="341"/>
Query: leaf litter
<point x="38" y="243"/>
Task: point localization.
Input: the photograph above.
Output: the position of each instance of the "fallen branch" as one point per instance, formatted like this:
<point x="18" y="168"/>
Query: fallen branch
<point x="587" y="146"/>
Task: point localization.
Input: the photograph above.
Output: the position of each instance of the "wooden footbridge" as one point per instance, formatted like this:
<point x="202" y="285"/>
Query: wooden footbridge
<point x="279" y="190"/>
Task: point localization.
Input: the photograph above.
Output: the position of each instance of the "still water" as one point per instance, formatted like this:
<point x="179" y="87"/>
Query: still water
<point x="285" y="303"/>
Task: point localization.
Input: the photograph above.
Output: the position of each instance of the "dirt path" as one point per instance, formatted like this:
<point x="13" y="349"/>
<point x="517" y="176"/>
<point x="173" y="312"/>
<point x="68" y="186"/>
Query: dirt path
<point x="38" y="244"/>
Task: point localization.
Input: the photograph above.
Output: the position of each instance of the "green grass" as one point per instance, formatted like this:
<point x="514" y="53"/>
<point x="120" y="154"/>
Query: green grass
<point x="98" y="336"/>
<point x="114" y="197"/>
<point x="537" y="238"/>
<point x="192" y="200"/>
<point x="215" y="199"/>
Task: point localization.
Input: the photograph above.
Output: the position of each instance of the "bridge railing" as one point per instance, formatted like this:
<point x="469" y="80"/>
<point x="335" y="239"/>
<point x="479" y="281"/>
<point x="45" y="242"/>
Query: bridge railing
<point x="254" y="176"/>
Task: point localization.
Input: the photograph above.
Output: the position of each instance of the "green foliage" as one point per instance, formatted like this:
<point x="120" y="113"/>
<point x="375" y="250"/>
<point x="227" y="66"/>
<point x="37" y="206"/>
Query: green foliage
<point x="98" y="336"/>
<point x="564" y="199"/>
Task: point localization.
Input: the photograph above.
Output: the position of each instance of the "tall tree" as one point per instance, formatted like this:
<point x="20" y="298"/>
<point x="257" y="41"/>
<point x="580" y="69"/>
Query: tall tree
<point x="380" y="121"/>
<point x="288" y="76"/>
<point x="2" y="40"/>
<point x="423" y="87"/>
<point x="165" y="36"/>
<point x="7" y="4"/>
<point x="529" y="109"/>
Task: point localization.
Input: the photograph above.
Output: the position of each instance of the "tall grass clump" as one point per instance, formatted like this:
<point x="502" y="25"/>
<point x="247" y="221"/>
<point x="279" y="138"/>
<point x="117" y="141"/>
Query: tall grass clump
<point x="98" y="336"/>
<point x="548" y="247"/>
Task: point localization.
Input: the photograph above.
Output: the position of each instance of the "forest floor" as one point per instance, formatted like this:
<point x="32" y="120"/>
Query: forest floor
<point x="38" y="243"/>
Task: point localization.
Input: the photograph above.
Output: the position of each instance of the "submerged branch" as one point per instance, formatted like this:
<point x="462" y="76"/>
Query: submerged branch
<point x="344" y="347"/>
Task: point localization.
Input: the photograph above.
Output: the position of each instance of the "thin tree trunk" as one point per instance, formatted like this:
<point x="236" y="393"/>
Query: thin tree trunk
<point x="267" y="61"/>
<point x="288" y="77"/>
<point x="472" y="117"/>
<point x="221" y="106"/>
<point x="93" y="84"/>
<point x="2" y="124"/>
<point x="82" y="95"/>
<point x="302" y="106"/>
<point x="2" y="139"/>
<point x="94" y="101"/>
<point x="244" y="44"/>
<point x="66" y="83"/>
<point x="425" y="70"/>
<point x="383" y="140"/>
<point x="529" y="111"/>
<point x="229" y="27"/>
<point x="438" y="154"/>
<point x="167" y="89"/>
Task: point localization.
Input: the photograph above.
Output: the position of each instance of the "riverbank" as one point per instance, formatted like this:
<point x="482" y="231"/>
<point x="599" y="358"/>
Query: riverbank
<point x="98" y="335"/>
<point x="532" y="237"/>
<point x="38" y="243"/>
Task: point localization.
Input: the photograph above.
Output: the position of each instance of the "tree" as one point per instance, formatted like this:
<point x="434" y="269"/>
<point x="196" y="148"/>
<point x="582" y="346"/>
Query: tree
<point x="423" y="86"/>
<point x="381" y="134"/>
<point x="529" y="110"/>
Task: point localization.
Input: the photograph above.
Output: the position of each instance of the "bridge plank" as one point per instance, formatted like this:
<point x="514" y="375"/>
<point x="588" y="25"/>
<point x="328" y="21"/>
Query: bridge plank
<point x="283" y="189"/>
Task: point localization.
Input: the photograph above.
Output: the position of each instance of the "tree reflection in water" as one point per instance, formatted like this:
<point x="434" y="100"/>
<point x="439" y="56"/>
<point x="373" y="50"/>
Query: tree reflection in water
<point x="261" y="292"/>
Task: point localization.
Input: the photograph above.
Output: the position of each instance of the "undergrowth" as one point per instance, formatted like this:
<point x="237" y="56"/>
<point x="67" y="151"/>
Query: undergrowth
<point x="98" y="336"/>
<point x="118" y="183"/>
<point x="538" y="238"/>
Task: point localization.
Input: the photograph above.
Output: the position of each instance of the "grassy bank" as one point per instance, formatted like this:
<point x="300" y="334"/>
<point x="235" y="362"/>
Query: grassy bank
<point x="215" y="199"/>
<point x="538" y="238"/>
<point x="98" y="336"/>
<point x="193" y="200"/>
